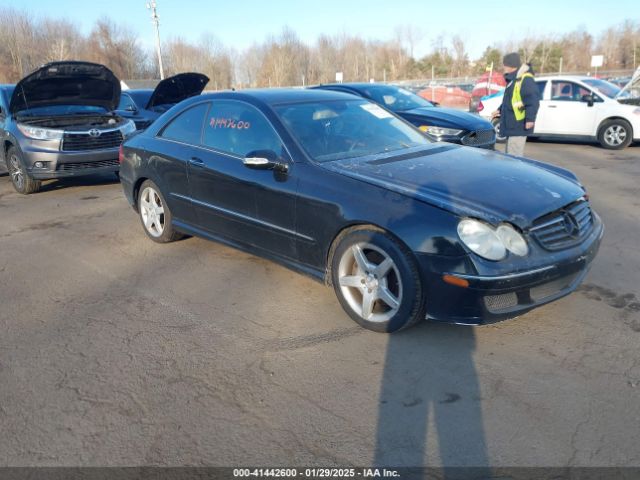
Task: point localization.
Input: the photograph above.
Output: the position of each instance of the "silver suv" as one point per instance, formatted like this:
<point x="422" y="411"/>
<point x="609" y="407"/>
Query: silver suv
<point x="59" y="122"/>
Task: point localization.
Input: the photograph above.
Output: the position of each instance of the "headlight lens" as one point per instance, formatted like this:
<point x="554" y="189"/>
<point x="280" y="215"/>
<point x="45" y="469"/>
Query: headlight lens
<point x="481" y="239"/>
<point x="491" y="243"/>
<point x="38" y="133"/>
<point x="512" y="240"/>
<point x="440" y="131"/>
<point x="128" y="128"/>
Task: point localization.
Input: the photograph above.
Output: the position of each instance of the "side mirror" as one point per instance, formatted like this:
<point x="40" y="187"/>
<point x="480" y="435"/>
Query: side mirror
<point x="588" y="99"/>
<point x="265" y="160"/>
<point x="130" y="108"/>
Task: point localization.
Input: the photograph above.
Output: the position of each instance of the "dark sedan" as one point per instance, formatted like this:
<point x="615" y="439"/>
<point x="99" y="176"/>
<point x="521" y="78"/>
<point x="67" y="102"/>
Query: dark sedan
<point x="336" y="187"/>
<point x="438" y="123"/>
<point x="144" y="106"/>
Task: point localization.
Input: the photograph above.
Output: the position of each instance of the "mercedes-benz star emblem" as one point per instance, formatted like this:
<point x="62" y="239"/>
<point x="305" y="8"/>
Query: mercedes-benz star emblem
<point x="570" y="224"/>
<point x="94" y="132"/>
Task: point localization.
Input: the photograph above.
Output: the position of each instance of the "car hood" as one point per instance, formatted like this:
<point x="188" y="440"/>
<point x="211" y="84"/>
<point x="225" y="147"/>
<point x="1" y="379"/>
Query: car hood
<point x="469" y="182"/>
<point x="445" y="117"/>
<point x="67" y="83"/>
<point x="174" y="89"/>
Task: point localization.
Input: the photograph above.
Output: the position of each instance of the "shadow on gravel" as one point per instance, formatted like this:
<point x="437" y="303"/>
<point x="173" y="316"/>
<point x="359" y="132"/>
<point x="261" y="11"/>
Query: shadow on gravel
<point x="88" y="181"/>
<point x="430" y="381"/>
<point x="430" y="378"/>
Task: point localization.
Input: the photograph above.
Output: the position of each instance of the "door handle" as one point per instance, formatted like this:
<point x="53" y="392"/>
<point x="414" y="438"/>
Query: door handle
<point x="552" y="106"/>
<point x="196" y="161"/>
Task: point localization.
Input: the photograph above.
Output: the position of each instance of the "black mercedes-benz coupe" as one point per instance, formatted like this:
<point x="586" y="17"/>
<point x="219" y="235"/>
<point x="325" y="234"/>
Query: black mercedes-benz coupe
<point x="341" y="189"/>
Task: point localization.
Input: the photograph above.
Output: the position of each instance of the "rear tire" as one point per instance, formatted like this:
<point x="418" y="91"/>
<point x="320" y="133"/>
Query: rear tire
<point x="615" y="134"/>
<point x="376" y="280"/>
<point x="21" y="180"/>
<point x="496" y="126"/>
<point x="155" y="214"/>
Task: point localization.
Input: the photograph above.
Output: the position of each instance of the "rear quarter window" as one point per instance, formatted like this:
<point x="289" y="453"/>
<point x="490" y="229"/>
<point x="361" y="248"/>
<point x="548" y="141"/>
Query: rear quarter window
<point x="187" y="126"/>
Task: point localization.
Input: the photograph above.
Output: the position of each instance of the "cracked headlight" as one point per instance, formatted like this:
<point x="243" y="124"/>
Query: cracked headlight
<point x="38" y="133"/>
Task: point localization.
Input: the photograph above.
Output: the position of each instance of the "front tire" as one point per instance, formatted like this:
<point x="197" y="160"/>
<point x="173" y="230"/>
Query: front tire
<point x="615" y="134"/>
<point x="21" y="180"/>
<point x="155" y="214"/>
<point x="376" y="280"/>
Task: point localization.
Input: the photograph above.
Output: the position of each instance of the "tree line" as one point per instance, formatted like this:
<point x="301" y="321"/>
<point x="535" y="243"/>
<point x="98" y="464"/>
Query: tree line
<point x="285" y="60"/>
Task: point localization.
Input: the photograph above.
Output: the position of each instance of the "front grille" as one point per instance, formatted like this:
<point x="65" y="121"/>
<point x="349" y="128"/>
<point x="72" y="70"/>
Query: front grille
<point x="564" y="228"/>
<point x="73" y="142"/>
<point x="479" y="137"/>
<point x="72" y="167"/>
<point x="552" y="288"/>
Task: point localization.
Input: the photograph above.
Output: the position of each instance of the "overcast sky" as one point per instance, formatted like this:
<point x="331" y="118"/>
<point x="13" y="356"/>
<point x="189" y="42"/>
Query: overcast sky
<point x="239" y="23"/>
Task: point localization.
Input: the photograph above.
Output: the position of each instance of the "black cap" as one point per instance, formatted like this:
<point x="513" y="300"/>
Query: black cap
<point x="512" y="60"/>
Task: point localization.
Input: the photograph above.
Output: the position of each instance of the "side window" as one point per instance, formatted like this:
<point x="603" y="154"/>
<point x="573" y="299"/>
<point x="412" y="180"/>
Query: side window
<point x="541" y="86"/>
<point x="238" y="128"/>
<point x="567" y="91"/>
<point x="187" y="127"/>
<point x="126" y="103"/>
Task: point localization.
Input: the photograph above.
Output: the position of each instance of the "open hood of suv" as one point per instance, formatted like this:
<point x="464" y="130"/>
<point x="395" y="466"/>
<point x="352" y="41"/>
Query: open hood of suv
<point x="67" y="83"/>
<point x="177" y="88"/>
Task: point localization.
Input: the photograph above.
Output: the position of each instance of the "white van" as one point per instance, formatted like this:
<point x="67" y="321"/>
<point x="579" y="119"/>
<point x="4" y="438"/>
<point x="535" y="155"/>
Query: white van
<point x="579" y="107"/>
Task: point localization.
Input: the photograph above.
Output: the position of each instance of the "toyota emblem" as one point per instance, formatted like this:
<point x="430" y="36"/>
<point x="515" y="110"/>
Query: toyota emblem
<point x="94" y="132"/>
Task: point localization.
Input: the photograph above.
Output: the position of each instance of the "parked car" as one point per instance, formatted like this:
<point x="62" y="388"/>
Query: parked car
<point x="451" y="95"/>
<point x="336" y="187"/>
<point x="59" y="122"/>
<point x="143" y="106"/>
<point x="488" y="84"/>
<point x="439" y="124"/>
<point x="578" y="107"/>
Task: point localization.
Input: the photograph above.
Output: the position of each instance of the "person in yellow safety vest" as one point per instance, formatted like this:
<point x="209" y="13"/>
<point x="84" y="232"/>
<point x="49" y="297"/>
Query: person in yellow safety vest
<point x="520" y="104"/>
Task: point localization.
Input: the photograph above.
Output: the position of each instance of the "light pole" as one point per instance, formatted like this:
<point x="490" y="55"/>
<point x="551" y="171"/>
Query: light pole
<point x="155" y="19"/>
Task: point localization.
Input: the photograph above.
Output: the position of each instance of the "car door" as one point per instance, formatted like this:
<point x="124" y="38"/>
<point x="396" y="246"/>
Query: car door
<point x="565" y="112"/>
<point x="254" y="207"/>
<point x="176" y="145"/>
<point x="542" y="116"/>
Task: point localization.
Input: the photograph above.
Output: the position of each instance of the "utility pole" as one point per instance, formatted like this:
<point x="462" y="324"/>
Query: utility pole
<point x="155" y="19"/>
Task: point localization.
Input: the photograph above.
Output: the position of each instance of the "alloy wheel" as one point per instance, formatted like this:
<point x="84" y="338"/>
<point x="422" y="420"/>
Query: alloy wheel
<point x="370" y="282"/>
<point x="615" y="135"/>
<point x="16" y="172"/>
<point x="152" y="211"/>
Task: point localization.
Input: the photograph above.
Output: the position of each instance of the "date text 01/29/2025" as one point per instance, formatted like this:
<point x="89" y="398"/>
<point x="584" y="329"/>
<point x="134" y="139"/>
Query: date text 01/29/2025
<point x="315" y="473"/>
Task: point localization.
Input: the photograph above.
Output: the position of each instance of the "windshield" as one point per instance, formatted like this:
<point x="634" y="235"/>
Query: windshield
<point x="140" y="97"/>
<point x="396" y="99"/>
<point x="340" y="129"/>
<point x="55" y="110"/>
<point x="604" y="87"/>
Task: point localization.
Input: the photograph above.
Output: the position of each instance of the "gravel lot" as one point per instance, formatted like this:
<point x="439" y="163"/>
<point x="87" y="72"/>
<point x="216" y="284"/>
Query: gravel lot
<point x="117" y="351"/>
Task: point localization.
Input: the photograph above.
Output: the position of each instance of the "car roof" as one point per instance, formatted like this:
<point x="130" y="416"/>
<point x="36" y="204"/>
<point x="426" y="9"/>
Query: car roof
<point x="580" y="78"/>
<point x="274" y="96"/>
<point x="357" y="85"/>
